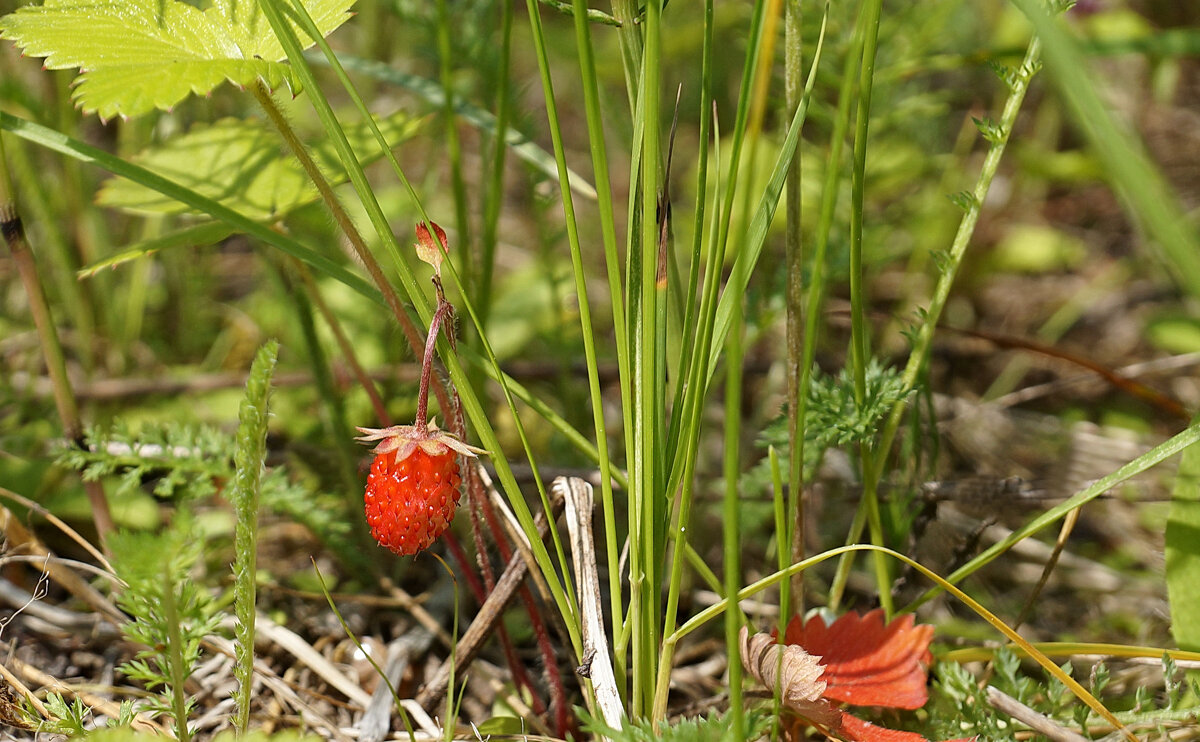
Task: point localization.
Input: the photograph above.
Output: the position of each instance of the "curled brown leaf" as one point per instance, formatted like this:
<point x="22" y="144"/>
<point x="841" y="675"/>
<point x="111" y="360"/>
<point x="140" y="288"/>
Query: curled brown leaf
<point x="795" y="672"/>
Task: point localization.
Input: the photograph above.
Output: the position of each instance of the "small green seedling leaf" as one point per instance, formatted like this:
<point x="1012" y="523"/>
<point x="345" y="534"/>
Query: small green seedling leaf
<point x="139" y="55"/>
<point x="1183" y="551"/>
<point x="991" y="131"/>
<point x="1010" y="76"/>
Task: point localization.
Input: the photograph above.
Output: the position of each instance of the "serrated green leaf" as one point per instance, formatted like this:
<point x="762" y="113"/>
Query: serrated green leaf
<point x="1183" y="551"/>
<point x="239" y="164"/>
<point x="139" y="55"/>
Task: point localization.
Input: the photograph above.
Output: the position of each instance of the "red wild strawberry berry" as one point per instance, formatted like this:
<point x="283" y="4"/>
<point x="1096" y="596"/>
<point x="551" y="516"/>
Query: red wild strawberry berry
<point x="413" y="489"/>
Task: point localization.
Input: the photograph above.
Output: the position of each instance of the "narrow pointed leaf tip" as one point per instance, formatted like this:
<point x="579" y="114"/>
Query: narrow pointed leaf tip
<point x="139" y="55"/>
<point x="858" y="660"/>
<point x="429" y="252"/>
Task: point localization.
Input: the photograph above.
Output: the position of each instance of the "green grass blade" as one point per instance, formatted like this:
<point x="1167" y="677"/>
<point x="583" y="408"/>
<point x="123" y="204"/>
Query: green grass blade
<point x="1155" y="456"/>
<point x="453" y="144"/>
<point x="75" y="149"/>
<point x="595" y="124"/>
<point x="756" y="234"/>
<point x="1183" y="552"/>
<point x="731" y="503"/>
<point x="199" y="235"/>
<point x="494" y="194"/>
<point x="859" y="332"/>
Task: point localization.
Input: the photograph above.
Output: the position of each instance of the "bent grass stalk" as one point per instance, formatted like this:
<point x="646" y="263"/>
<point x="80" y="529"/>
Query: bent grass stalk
<point x="404" y="718"/>
<point x="1027" y="647"/>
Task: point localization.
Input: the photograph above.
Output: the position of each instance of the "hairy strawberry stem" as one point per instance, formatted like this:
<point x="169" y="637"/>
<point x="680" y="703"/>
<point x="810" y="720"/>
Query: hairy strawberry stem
<point x="444" y="310"/>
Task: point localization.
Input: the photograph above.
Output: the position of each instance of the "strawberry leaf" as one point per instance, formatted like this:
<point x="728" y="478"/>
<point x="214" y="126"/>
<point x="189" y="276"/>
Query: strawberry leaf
<point x="854" y="729"/>
<point x="868" y="663"/>
<point x="139" y="55"/>
<point x="239" y="163"/>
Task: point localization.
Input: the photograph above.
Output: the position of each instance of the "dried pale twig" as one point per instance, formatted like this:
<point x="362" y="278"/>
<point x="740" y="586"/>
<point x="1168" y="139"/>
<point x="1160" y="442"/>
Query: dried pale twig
<point x="70" y="532"/>
<point x="597" y="663"/>
<point x="20" y="538"/>
<point x="295" y="645"/>
<point x="1039" y="723"/>
<point x="98" y="704"/>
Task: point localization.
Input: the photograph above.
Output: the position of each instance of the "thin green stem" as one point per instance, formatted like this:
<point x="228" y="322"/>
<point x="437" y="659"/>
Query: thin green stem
<point x="174" y="649"/>
<point x="790" y="532"/>
<point x="630" y="39"/>
<point x="454" y="146"/>
<point x="647" y="498"/>
<point x="859" y="332"/>
<point x="42" y="200"/>
<point x="682" y="438"/>
<point x="596" y="141"/>
<point x="782" y="560"/>
<point x="333" y="407"/>
<point x="494" y="194"/>
<point x="731" y="512"/>
<point x="1019" y="84"/>
<point x="682" y="475"/>
<point x="349" y="354"/>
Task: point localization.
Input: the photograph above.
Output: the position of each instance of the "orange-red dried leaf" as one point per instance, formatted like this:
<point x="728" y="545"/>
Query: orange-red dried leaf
<point x="855" y="729"/>
<point x="866" y="662"/>
<point x="427" y="250"/>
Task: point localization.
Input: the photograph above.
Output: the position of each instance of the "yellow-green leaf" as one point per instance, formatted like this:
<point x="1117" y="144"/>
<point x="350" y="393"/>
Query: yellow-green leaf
<point x="240" y="164"/>
<point x="138" y="55"/>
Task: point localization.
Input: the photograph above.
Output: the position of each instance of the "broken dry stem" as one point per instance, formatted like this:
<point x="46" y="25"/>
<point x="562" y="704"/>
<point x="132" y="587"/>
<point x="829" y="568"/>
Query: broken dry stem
<point x="485" y="621"/>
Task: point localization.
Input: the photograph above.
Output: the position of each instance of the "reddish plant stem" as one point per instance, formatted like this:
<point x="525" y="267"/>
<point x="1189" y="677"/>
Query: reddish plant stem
<point x="347" y="225"/>
<point x="558" y="694"/>
<point x="444" y="310"/>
